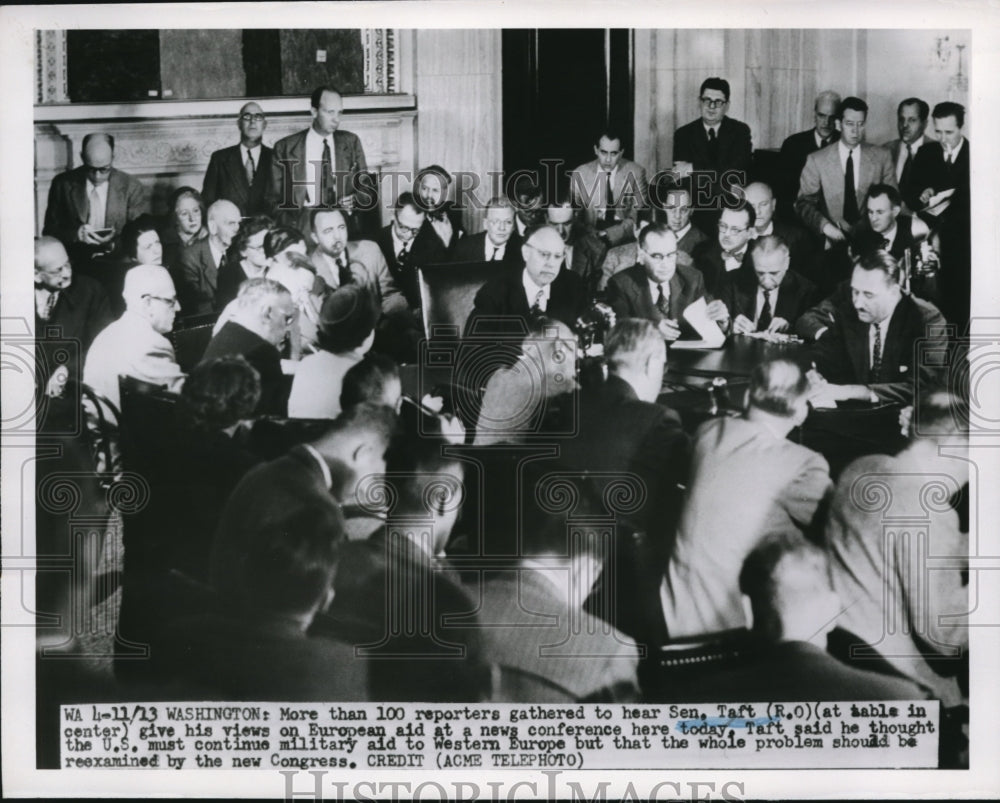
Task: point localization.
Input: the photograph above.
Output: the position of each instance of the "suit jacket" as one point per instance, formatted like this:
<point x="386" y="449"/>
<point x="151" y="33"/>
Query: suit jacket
<point x="842" y="354"/>
<point x="792" y="158"/>
<point x="768" y="485"/>
<point x="821" y="187"/>
<point x="130" y="347"/>
<point x="529" y="628"/>
<point x="289" y="160"/>
<point x="472" y="248"/>
<point x="504" y="297"/>
<point x="629" y="189"/>
<point x="226" y="178"/>
<point x="692" y="238"/>
<point x="907" y="189"/>
<point x="234" y="338"/>
<point x="629" y="295"/>
<point x="199" y="278"/>
<point x="708" y="259"/>
<point x="69" y="208"/>
<point x="80" y="314"/>
<point x="369" y="268"/>
<point x="227" y="284"/>
<point x="426" y="249"/>
<point x="735" y="150"/>
<point x="796" y="294"/>
<point x="931" y="170"/>
<point x="800" y="246"/>
<point x="795" y="671"/>
<point x="587" y="258"/>
<point x="882" y="580"/>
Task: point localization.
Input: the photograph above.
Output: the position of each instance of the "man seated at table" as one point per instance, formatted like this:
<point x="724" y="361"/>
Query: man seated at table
<point x="407" y="245"/>
<point x="747" y="481"/>
<point x="497" y="243"/>
<point x="658" y="289"/>
<point x="543" y="287"/>
<point x="869" y="353"/>
<point x="770" y="299"/>
<point x="730" y="250"/>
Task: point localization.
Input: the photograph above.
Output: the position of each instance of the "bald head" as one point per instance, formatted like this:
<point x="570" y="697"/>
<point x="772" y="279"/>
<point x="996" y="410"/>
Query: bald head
<point x="251" y="122"/>
<point x="223" y="222"/>
<point x="543" y="254"/>
<point x="761" y="198"/>
<point x="97" y="154"/>
<point x="149" y="292"/>
<point x="52" y="267"/>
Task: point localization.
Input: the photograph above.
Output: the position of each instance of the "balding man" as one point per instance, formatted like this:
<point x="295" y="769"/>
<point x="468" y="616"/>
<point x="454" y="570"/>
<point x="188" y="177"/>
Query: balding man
<point x="135" y="345"/>
<point x="89" y="205"/>
<point x="67" y="308"/>
<point x="242" y="173"/>
<point x="543" y="287"/>
<point x="202" y="259"/>
<point x="796" y="148"/>
<point x="760" y="196"/>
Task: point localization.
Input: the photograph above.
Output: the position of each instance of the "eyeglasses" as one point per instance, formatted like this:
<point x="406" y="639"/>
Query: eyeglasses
<point x="406" y="229"/>
<point x="724" y="229"/>
<point x="713" y="103"/>
<point x="252" y="118"/>
<point x="170" y="302"/>
<point x="660" y="257"/>
<point x="548" y="256"/>
<point x="99" y="170"/>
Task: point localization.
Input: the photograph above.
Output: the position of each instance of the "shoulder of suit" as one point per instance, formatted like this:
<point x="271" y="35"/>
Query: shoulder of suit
<point x="345" y="136"/>
<point x="288" y="141"/>
<point x="732" y="122"/>
<point x="636" y="273"/>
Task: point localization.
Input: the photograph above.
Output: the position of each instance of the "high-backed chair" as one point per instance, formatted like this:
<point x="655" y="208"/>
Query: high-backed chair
<point x="191" y="339"/>
<point x="447" y="293"/>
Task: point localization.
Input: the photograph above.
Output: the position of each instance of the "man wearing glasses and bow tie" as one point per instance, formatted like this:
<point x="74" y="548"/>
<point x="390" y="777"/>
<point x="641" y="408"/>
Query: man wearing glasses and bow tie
<point x="242" y="173"/>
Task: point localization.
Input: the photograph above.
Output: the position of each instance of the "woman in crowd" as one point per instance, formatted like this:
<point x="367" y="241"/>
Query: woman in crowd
<point x="185" y="224"/>
<point x="245" y="259"/>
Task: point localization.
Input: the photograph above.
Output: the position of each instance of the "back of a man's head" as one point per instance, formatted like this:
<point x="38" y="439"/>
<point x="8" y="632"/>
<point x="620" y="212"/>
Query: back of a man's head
<point x="145" y="280"/>
<point x="374" y="379"/>
<point x="778" y="387"/>
<point x="253" y="299"/>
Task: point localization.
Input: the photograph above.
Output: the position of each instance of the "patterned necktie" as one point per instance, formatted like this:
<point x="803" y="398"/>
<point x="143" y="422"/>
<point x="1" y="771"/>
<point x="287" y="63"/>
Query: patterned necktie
<point x="402" y="255"/>
<point x="876" y="354"/>
<point x="851" y="213"/>
<point x="49" y="306"/>
<point x="251" y="168"/>
<point x="329" y="194"/>
<point x="764" y="320"/>
<point x="95" y="216"/>
<point x="537" y="306"/>
<point x="662" y="302"/>
<point x="609" y="208"/>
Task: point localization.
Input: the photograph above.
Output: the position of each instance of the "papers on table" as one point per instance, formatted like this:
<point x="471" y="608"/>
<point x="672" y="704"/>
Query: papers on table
<point x="712" y="336"/>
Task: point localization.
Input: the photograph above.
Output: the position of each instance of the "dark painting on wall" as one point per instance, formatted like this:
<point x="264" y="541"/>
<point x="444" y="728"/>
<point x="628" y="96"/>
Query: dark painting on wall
<point x="302" y="70"/>
<point x="107" y="66"/>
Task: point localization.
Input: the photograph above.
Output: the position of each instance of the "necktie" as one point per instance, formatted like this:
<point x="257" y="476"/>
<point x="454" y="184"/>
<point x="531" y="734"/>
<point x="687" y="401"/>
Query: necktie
<point x="609" y="209"/>
<point x="537" y="306"/>
<point x="251" y="167"/>
<point x="95" y="216"/>
<point x="824" y="142"/>
<point x="764" y="320"/>
<point x="50" y="304"/>
<point x="662" y="302"/>
<point x="851" y="213"/>
<point x="496" y="255"/>
<point x="344" y="274"/>
<point x="732" y="259"/>
<point x="905" y="174"/>
<point x="713" y="145"/>
<point x="329" y="194"/>
<point x="402" y="255"/>
<point x="876" y="354"/>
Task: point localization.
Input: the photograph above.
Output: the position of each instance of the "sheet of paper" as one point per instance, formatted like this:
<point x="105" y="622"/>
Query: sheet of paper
<point x="697" y="315"/>
<point x="938" y="203"/>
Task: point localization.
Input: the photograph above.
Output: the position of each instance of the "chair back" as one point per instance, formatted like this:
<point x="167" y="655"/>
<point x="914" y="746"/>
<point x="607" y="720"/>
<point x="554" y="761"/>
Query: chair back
<point x="191" y="339"/>
<point x="447" y="293"/>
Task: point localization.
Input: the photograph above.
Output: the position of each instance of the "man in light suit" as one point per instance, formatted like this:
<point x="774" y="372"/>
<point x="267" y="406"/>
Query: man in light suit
<point x="769" y="485"/>
<point x="242" y="173"/>
<point x="89" y="205"/>
<point x="338" y="261"/>
<point x="135" y="345"/>
<point x="911" y="121"/>
<point x="319" y="166"/>
<point x="830" y="197"/>
<point x="590" y="184"/>
<point x="658" y="288"/>
<point x="202" y="259"/>
<point x="797" y="147"/>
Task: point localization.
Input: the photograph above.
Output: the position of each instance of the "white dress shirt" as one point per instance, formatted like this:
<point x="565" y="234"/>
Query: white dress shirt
<point x="654" y="290"/>
<point x="531" y="290"/>
<point x="255" y="151"/>
<point x="495" y="251"/>
<point x="314" y="155"/>
<point x="844" y="151"/>
<point x="951" y="156"/>
<point x="100" y="218"/>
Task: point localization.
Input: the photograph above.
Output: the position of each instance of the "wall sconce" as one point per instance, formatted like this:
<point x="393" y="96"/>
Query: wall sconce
<point x="941" y="54"/>
<point x="959" y="81"/>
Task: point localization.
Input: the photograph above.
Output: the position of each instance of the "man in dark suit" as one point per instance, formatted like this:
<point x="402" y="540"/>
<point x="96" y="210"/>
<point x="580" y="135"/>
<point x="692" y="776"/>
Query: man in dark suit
<point x="796" y="148"/>
<point x="89" y="205"/>
<point x="584" y="250"/>
<point x="677" y="216"/>
<point x="263" y="314"/>
<point x="202" y="259"/>
<point x="911" y="121"/>
<point x="761" y="198"/>
<point x="900" y="232"/>
<point x="319" y="166"/>
<point x="786" y="581"/>
<point x="714" y="144"/>
<point x="658" y="289"/>
<point x="242" y="173"/>
<point x="868" y="353"/>
<point x="443" y="220"/>
<point x="770" y="299"/>
<point x="730" y="249"/>
<point x="498" y="243"/>
<point x="830" y="194"/>
<point x="406" y="245"/>
<point x="542" y="287"/>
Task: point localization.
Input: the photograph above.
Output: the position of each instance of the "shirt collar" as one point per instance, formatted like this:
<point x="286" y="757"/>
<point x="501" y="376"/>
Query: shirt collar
<point x="255" y="150"/>
<point x="102" y="189"/>
<point x="654" y="287"/>
<point x="216" y="253"/>
<point x="531" y="289"/>
<point x="819" y="140"/>
<point x="318" y="138"/>
<point x="327" y="476"/>
<point x="915" y="145"/>
<point x="769" y="230"/>
<point x="397" y="244"/>
<point x="958" y="149"/>
<point x="844" y="150"/>
<point x="708" y="128"/>
<point x="680" y="235"/>
<point x="492" y="248"/>
<point x="890" y="235"/>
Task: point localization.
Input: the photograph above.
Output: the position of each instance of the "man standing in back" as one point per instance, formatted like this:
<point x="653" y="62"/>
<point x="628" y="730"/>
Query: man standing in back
<point x="242" y="173"/>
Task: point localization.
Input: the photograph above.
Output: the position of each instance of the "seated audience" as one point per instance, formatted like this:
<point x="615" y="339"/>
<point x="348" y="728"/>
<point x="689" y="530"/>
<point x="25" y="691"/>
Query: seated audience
<point x="773" y="297"/>
<point x="497" y="243"/>
<point x="730" y="250"/>
<point x="532" y="617"/>
<point x="242" y="173"/>
<point x="659" y="289"/>
<point x="441" y="218"/>
<point x="517" y="399"/>
<point x="869" y="351"/>
<point x="344" y="335"/>
<point x="542" y="287"/>
<point x="373" y="380"/>
<point x="747" y="481"/>
<point x="785" y="583"/>
<point x="245" y="259"/>
<point x="135" y="345"/>
<point x="896" y="603"/>
<point x="797" y="147"/>
<point x="261" y="317"/>
<point x="610" y="190"/>
<point x="201" y="260"/>
<point x="288" y="265"/>
<point x="185" y="224"/>
<point x="406" y="245"/>
<point x="584" y="250"/>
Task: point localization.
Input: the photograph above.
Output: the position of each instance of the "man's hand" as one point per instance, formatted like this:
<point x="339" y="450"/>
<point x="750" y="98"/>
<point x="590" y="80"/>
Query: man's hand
<point x="742" y="325"/>
<point x="91" y="236"/>
<point x="717" y="312"/>
<point x="778" y="325"/>
<point x="926" y="195"/>
<point x="669" y="329"/>
<point x="435" y="403"/>
<point x="452" y="429"/>
<point x="833" y="233"/>
<point x="905" y="417"/>
<point x="57" y="382"/>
